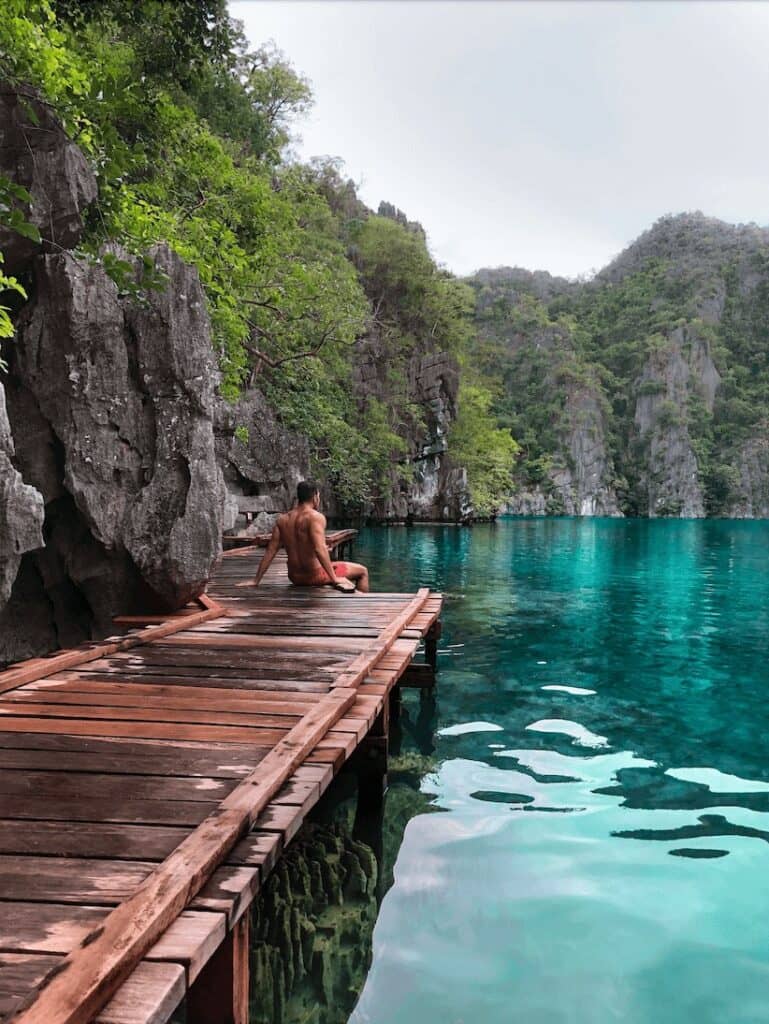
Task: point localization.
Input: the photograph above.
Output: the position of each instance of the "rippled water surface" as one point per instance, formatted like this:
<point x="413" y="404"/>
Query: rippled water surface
<point x="600" y="752"/>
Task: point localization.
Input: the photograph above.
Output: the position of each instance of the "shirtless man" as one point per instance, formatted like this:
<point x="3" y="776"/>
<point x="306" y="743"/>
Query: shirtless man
<point x="302" y="532"/>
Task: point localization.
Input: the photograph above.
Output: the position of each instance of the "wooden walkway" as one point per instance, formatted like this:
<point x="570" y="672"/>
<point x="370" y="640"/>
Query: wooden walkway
<point x="149" y="783"/>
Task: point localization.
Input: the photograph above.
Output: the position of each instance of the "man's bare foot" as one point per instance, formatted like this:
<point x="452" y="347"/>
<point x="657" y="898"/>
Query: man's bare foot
<point x="246" y="583"/>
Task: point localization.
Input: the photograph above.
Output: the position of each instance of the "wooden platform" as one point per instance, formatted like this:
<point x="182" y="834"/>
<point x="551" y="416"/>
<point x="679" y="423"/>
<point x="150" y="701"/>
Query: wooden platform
<point x="149" y="783"/>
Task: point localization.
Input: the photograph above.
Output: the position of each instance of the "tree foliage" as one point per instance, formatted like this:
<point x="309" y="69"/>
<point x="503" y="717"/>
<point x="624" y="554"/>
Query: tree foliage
<point x="186" y="129"/>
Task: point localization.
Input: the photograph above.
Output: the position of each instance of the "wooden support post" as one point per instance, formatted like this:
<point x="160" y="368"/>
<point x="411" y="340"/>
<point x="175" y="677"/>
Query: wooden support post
<point x="395" y="701"/>
<point x="431" y="644"/>
<point x="371" y="763"/>
<point x="219" y="994"/>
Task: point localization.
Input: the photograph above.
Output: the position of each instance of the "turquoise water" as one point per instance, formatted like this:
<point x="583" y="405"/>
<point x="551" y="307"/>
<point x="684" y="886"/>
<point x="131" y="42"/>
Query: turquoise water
<point x="600" y="752"/>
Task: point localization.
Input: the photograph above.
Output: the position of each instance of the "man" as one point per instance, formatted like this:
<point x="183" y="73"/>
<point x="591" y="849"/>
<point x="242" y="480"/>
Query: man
<point x="302" y="532"/>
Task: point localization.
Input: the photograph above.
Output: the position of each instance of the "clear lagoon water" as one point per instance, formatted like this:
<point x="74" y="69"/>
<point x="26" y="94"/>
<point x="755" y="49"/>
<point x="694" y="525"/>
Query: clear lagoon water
<point x="593" y="841"/>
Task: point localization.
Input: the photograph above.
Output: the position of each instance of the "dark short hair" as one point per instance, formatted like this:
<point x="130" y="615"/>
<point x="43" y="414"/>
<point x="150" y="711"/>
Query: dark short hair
<point x="306" y="490"/>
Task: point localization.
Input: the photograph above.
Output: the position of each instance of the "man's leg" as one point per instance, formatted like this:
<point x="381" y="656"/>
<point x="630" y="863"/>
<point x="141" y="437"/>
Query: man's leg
<point x="358" y="574"/>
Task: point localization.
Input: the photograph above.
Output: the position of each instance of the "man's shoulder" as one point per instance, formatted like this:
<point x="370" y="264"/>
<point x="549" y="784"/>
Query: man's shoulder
<point x="283" y="520"/>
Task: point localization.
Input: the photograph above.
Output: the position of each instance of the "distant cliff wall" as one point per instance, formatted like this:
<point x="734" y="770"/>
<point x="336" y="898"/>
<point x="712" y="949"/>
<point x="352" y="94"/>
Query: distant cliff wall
<point x="656" y="400"/>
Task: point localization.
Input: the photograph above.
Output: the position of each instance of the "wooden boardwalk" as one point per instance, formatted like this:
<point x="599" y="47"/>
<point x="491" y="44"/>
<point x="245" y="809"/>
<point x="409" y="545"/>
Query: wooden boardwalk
<point x="149" y="783"/>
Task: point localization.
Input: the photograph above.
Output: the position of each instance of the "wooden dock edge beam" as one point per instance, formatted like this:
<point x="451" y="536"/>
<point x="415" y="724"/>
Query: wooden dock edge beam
<point x="39" y="668"/>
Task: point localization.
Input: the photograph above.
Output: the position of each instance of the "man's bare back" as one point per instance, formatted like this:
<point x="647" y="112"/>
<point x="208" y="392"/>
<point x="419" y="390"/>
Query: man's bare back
<point x="299" y="531"/>
<point x="302" y="532"/>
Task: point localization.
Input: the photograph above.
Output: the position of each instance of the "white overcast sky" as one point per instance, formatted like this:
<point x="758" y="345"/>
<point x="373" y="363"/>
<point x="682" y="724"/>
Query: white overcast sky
<point x="538" y="134"/>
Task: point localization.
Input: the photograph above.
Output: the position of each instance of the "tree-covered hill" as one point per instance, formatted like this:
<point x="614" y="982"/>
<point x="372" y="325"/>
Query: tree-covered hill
<point x="646" y="390"/>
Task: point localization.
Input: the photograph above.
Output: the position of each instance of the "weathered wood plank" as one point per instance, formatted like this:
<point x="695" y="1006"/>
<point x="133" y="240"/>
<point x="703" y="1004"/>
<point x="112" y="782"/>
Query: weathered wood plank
<point x="149" y="996"/>
<point x="191" y="941"/>
<point x="91" y="974"/>
<point x="36" y="668"/>
<point x="20" y="972"/>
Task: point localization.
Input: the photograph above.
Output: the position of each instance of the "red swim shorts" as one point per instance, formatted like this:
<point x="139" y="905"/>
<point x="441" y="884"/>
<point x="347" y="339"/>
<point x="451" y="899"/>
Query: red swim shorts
<point x="320" y="577"/>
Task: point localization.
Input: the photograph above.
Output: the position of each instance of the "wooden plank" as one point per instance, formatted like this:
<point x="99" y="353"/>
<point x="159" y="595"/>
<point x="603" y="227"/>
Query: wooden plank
<point x="115" y="696"/>
<point x="191" y="940"/>
<point x="187" y="813"/>
<point x="113" y="713"/>
<point x="136" y="757"/>
<point x="230" y="891"/>
<point x="145" y="730"/>
<point x="64" y="785"/>
<point x="258" y="849"/>
<point x="101" y="840"/>
<point x="27" y="927"/>
<point x="66" y="880"/>
<point x="283" y="682"/>
<point x="149" y="996"/>
<point x="91" y="974"/>
<point x="20" y="972"/>
<point x="36" y="668"/>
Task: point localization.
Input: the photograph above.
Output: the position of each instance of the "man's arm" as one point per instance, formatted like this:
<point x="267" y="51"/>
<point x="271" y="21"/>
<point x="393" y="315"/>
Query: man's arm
<point x="318" y="534"/>
<point x="273" y="548"/>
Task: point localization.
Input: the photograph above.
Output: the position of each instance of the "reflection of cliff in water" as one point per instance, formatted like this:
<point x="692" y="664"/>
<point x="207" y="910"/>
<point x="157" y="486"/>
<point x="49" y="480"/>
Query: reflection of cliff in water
<point x="313" y="922"/>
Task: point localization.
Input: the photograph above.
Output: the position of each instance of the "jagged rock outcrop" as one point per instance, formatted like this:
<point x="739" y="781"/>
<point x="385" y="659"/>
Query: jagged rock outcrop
<point x="127" y="393"/>
<point x="21" y="511"/>
<point x="751" y="483"/>
<point x="260" y="459"/>
<point x="583" y="483"/>
<point x="110" y="405"/>
<point x="437" y="489"/>
<point x="112" y="410"/>
<point x="36" y="154"/>
<point x="682" y="367"/>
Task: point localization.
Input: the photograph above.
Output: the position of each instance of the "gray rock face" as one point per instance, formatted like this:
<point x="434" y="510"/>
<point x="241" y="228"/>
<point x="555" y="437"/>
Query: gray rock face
<point x="265" y="463"/>
<point x="752" y="488"/>
<point x="437" y="489"/>
<point x="583" y="484"/>
<point x="21" y="511"/>
<point x="681" y="368"/>
<point x="112" y="412"/>
<point x="40" y="157"/>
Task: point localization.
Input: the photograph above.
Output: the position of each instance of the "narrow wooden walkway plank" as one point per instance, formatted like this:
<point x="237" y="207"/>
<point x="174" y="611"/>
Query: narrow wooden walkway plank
<point x="149" y="996"/>
<point x="36" y="668"/>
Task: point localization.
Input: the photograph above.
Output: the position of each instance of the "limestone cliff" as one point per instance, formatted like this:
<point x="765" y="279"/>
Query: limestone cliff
<point x="680" y="370"/>
<point x="109" y="425"/>
<point x="432" y="488"/>
<point x="657" y="405"/>
<point x="261" y="460"/>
